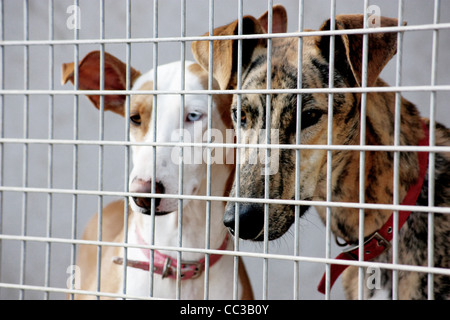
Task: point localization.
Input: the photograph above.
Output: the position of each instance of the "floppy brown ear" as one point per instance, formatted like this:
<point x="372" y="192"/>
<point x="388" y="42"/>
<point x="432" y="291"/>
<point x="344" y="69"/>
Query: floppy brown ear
<point x="279" y="19"/>
<point x="348" y="51"/>
<point x="225" y="51"/>
<point x="89" y="79"/>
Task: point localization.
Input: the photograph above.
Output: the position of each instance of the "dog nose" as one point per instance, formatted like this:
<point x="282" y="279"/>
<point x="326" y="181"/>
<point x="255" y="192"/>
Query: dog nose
<point x="142" y="186"/>
<point x="251" y="220"/>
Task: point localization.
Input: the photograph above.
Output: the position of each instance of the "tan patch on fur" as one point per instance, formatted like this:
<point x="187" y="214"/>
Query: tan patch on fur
<point x="112" y="231"/>
<point x="142" y="104"/>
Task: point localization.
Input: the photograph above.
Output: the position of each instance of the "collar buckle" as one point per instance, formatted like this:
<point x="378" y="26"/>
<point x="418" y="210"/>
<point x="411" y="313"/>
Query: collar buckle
<point x="381" y="241"/>
<point x="167" y="270"/>
<point x="189" y="269"/>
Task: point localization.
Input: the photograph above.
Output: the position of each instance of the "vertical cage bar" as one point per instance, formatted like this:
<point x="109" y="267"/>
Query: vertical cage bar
<point x="397" y="130"/>
<point x="100" y="146"/>
<point x="128" y="86"/>
<point x="298" y="128"/>
<point x="267" y="152"/>
<point x="362" y="154"/>
<point x="181" y="166"/>
<point x="432" y="155"/>
<point x="51" y="85"/>
<point x="238" y="150"/>
<point x="154" y="124"/>
<point x="329" y="152"/>
<point x="76" y="54"/>
<point x="2" y="121"/>
<point x="26" y="108"/>
<point x="209" y="151"/>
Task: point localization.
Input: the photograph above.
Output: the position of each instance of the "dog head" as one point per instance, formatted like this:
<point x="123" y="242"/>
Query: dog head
<point x="310" y="121"/>
<point x="174" y="116"/>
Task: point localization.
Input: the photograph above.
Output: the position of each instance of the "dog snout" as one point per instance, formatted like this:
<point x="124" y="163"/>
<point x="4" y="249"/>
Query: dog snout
<point x="251" y="220"/>
<point x="143" y="186"/>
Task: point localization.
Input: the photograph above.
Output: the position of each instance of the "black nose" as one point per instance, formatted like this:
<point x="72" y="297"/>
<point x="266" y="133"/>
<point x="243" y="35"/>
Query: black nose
<point x="142" y="186"/>
<point x="251" y="220"/>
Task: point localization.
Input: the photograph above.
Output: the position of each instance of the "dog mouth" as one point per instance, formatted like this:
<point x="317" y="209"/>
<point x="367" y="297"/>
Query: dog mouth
<point x="144" y="206"/>
<point x="258" y="238"/>
<point x="157" y="213"/>
<point x="252" y="220"/>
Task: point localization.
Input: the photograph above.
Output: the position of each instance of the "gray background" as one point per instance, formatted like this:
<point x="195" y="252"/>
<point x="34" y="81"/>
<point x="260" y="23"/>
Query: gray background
<point x="35" y="221"/>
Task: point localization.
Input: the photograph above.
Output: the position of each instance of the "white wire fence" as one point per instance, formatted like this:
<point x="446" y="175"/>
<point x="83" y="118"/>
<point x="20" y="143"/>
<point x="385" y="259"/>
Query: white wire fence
<point x="61" y="161"/>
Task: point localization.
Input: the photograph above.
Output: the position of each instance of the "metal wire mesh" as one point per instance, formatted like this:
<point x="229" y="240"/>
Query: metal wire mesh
<point x="59" y="164"/>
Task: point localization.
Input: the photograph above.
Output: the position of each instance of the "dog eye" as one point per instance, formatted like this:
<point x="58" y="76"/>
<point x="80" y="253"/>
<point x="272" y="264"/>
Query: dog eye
<point x="135" y="119"/>
<point x="310" y="118"/>
<point x="243" y="117"/>
<point x="194" y="116"/>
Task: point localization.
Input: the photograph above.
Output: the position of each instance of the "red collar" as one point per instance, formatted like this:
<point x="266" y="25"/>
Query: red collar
<point x="380" y="240"/>
<point x="167" y="266"/>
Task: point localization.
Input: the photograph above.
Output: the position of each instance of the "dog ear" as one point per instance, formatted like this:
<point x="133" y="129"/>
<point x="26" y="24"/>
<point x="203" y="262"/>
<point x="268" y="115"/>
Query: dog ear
<point x="225" y="52"/>
<point x="348" y="47"/>
<point x="89" y="79"/>
<point x="279" y="19"/>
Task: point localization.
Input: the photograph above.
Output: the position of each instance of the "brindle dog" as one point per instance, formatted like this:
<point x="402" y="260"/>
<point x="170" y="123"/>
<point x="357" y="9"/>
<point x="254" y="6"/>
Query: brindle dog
<point x="412" y="242"/>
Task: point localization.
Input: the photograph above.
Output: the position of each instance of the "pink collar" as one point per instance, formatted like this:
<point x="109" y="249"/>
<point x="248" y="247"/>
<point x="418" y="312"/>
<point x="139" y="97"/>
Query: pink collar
<point x="167" y="266"/>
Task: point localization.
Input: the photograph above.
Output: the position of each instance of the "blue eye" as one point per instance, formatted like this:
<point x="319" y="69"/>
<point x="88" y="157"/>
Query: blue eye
<point x="194" y="116"/>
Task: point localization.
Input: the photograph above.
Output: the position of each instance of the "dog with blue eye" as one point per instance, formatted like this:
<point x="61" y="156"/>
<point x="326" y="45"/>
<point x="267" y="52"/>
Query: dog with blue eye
<point x="144" y="128"/>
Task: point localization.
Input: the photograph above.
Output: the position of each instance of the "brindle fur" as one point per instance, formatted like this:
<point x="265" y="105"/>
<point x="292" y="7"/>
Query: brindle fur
<point x="346" y="131"/>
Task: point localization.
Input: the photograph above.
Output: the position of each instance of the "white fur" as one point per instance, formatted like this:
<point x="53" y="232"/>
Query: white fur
<point x="381" y="294"/>
<point x="194" y="212"/>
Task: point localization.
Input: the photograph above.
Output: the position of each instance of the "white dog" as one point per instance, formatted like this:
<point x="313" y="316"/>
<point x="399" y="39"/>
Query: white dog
<point x="166" y="181"/>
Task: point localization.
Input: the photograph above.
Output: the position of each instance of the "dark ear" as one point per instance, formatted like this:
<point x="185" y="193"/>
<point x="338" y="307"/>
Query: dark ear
<point x="279" y="19"/>
<point x="89" y="79"/>
<point x="225" y="51"/>
<point x="349" y="47"/>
